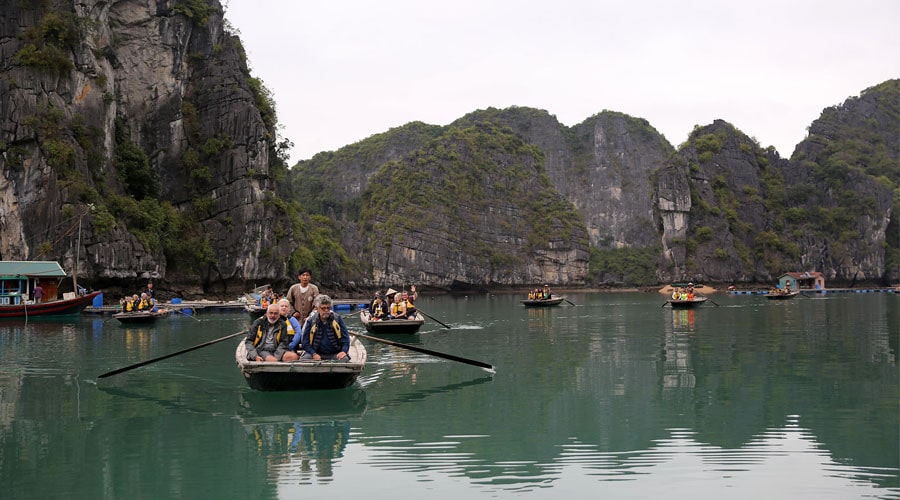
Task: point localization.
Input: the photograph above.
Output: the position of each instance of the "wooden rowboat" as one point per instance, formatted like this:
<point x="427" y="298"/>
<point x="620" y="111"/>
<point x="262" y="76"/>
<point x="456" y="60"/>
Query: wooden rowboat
<point x="554" y="301"/>
<point x="782" y="295"/>
<point x="140" y="316"/>
<point x="301" y="375"/>
<point x="391" y="325"/>
<point x="254" y="310"/>
<point x="687" y="303"/>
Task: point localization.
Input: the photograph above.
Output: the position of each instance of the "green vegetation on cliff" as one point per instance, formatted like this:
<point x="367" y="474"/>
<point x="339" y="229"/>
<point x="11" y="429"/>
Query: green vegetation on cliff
<point x="454" y="182"/>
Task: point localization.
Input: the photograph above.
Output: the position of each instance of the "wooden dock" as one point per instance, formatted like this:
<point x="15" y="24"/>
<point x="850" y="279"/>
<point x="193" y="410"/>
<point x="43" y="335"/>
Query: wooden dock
<point x="208" y="306"/>
<point x="818" y="291"/>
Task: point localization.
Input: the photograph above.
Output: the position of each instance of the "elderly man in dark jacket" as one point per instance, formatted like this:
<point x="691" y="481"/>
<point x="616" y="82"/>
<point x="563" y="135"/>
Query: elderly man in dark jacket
<point x="268" y="338"/>
<point x="324" y="335"/>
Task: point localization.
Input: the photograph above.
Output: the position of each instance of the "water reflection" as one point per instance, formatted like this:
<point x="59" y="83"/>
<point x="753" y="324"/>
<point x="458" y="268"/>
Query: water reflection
<point x="301" y="452"/>
<point x="683" y="319"/>
<point x="613" y="396"/>
<point x="301" y="437"/>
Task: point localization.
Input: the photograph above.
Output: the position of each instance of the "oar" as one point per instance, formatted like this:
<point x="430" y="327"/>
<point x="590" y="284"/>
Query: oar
<point x="569" y="301"/>
<point x="154" y="360"/>
<point x="484" y="366"/>
<point x="179" y="311"/>
<point x="432" y="317"/>
<point x="714" y="302"/>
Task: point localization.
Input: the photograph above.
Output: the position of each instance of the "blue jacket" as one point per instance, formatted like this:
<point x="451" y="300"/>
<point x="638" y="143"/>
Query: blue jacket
<point x="298" y="332"/>
<point x="320" y="336"/>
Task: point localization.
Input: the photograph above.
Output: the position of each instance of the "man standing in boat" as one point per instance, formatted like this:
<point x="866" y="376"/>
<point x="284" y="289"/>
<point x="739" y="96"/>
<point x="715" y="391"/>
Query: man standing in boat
<point x="301" y="295"/>
<point x="150" y="290"/>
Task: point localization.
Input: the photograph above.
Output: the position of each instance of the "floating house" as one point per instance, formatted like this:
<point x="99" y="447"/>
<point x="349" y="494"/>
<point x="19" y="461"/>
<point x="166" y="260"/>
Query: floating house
<point x="18" y="279"/>
<point x="812" y="280"/>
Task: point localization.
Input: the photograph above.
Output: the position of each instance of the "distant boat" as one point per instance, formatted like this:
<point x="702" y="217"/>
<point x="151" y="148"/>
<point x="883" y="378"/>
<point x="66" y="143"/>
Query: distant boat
<point x="687" y="303"/>
<point x="140" y="316"/>
<point x="391" y="325"/>
<point x="698" y="288"/>
<point x="554" y="301"/>
<point x="781" y="295"/>
<point x="254" y="310"/>
<point x="301" y="375"/>
<point x="49" y="308"/>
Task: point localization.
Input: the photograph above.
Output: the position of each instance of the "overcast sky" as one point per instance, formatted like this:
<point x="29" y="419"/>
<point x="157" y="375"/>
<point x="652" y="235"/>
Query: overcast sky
<point x="341" y="71"/>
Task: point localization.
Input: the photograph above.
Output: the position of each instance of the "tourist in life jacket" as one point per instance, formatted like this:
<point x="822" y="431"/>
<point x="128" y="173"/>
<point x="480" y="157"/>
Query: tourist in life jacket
<point x="378" y="309"/>
<point x="294" y="329"/>
<point x="398" y="307"/>
<point x="410" y="305"/>
<point x="146" y="303"/>
<point x="127" y="304"/>
<point x="268" y="338"/>
<point x="324" y="334"/>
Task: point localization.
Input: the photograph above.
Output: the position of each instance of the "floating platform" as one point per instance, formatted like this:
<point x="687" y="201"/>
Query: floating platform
<point x="206" y="306"/>
<point x="822" y="291"/>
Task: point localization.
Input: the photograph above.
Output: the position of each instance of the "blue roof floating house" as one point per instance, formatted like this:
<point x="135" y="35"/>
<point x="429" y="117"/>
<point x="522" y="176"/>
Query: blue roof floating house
<point x="811" y="280"/>
<point x="18" y="279"/>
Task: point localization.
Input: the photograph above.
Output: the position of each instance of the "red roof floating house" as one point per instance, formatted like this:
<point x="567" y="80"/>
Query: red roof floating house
<point x="812" y="280"/>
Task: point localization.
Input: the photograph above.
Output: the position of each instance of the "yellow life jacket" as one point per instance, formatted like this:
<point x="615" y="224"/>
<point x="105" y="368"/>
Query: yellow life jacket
<point x="129" y="305"/>
<point x="259" y="335"/>
<point x="377" y="308"/>
<point x="395" y="308"/>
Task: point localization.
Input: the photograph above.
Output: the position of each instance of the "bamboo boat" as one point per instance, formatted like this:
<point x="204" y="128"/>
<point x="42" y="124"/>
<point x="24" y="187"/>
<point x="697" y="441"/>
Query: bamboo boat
<point x="687" y="303"/>
<point x="391" y="325"/>
<point x="554" y="301"/>
<point x="140" y="316"/>
<point x="301" y="375"/>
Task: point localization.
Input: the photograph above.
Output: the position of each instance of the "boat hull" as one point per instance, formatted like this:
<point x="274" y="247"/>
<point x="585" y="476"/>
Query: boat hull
<point x="406" y="326"/>
<point x="61" y="307"/>
<point x="139" y="317"/>
<point x="782" y="296"/>
<point x="301" y="375"/>
<point x="543" y="302"/>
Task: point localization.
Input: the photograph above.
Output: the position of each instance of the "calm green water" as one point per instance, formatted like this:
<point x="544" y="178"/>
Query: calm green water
<point x="616" y="397"/>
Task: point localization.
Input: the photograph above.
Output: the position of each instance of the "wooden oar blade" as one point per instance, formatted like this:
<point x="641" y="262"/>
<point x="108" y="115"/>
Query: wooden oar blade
<point x="432" y="317"/>
<point x="484" y="366"/>
<point x="167" y="356"/>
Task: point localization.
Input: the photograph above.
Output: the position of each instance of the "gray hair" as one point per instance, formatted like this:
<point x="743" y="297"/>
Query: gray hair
<point x="322" y="299"/>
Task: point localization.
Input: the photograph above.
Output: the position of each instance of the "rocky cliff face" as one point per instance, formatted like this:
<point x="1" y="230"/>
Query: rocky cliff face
<point x="720" y="209"/>
<point x="82" y="80"/>
<point x="600" y="168"/>
<point x="472" y="208"/>
<point x="733" y="212"/>
<point x="602" y="165"/>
